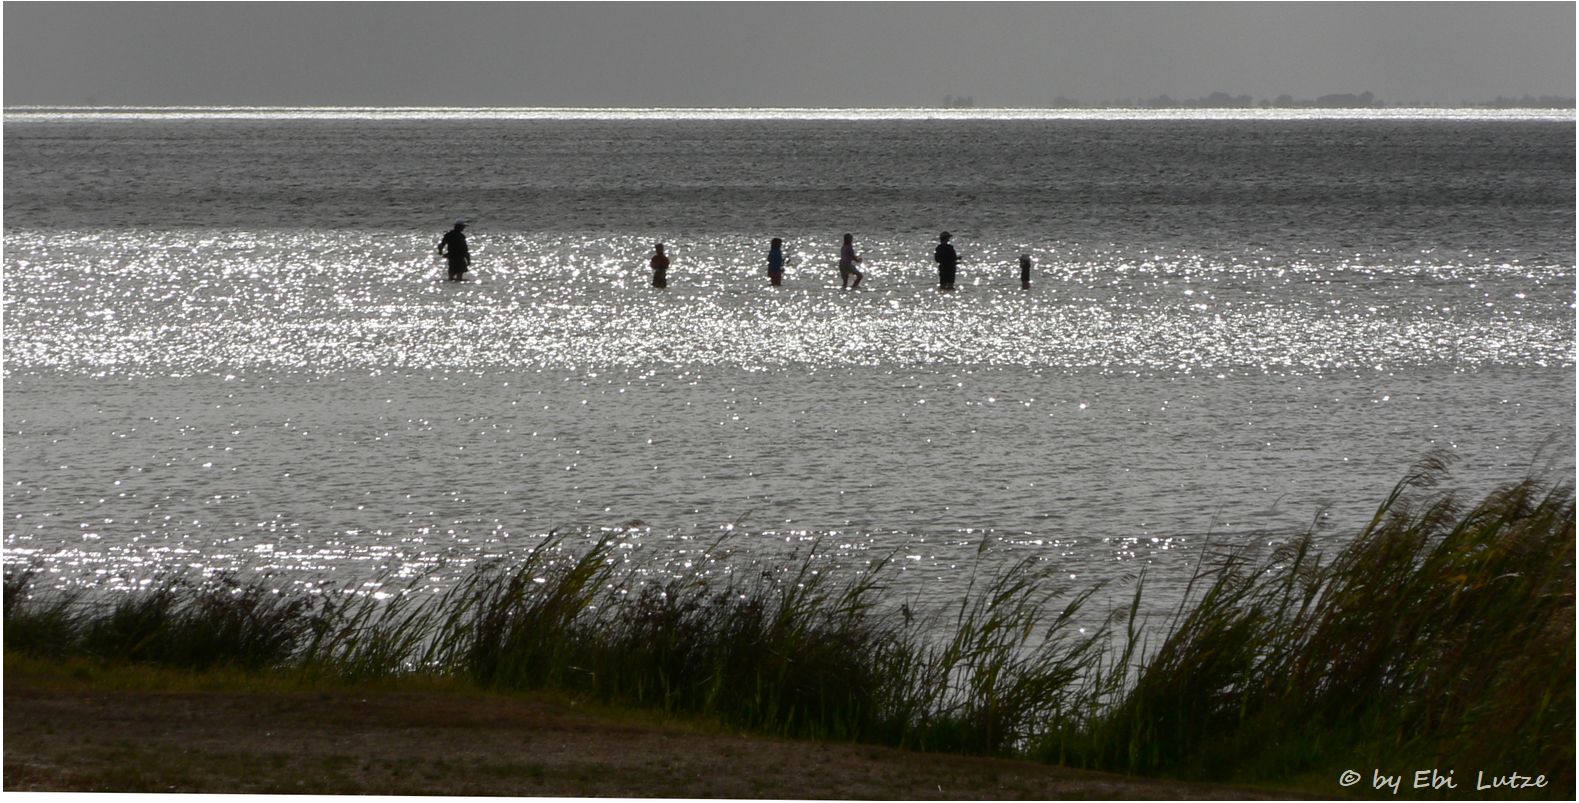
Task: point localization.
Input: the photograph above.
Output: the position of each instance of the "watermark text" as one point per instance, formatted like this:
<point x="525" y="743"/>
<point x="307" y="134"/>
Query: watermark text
<point x="1438" y="780"/>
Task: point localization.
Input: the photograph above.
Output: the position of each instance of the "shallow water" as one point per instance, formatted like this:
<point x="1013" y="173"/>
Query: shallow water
<point x="227" y="348"/>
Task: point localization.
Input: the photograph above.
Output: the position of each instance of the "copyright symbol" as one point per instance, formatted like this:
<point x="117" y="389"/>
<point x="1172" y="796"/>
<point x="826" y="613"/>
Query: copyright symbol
<point x="1349" y="778"/>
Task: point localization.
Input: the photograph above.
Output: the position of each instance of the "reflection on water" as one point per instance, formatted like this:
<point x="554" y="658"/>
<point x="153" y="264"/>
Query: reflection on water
<point x="176" y="303"/>
<point x="321" y="406"/>
<point x="228" y="345"/>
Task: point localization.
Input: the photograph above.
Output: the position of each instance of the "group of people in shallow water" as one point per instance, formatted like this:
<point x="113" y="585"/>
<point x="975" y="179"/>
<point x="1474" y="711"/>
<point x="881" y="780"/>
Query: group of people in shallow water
<point x="454" y="249"/>
<point x="850" y="273"/>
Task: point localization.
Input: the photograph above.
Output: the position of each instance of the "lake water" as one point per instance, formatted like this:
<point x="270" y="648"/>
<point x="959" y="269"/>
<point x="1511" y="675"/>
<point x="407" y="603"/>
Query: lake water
<point x="228" y="348"/>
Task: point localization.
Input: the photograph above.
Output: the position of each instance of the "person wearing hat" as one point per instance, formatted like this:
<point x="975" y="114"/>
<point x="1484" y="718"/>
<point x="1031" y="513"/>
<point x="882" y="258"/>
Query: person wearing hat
<point x="453" y="248"/>
<point x="947" y="261"/>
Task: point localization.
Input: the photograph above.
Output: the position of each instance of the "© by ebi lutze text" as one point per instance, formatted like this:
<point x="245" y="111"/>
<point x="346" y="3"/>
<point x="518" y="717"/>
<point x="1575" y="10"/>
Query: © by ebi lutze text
<point x="1436" y="779"/>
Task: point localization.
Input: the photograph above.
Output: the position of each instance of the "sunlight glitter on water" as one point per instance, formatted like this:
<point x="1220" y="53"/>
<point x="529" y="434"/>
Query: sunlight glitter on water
<point x="228" y="344"/>
<point x="312" y="302"/>
<point x="289" y="402"/>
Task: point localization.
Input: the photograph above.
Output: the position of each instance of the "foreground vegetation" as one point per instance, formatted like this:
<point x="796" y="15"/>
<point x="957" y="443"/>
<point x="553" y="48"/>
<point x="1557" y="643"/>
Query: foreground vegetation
<point x="1440" y="637"/>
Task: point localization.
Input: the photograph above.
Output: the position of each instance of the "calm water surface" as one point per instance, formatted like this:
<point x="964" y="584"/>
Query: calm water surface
<point x="227" y="348"/>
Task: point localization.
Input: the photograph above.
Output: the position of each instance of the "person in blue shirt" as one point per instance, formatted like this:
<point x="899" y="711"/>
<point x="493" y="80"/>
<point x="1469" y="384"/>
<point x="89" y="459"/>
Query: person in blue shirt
<point x="776" y="262"/>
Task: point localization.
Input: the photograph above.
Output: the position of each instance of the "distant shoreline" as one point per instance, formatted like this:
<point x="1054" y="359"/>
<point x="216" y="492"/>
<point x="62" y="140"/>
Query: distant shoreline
<point x="29" y="113"/>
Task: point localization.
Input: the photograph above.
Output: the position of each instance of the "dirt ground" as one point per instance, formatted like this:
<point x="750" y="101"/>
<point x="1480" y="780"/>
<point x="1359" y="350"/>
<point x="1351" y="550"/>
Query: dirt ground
<point x="465" y="743"/>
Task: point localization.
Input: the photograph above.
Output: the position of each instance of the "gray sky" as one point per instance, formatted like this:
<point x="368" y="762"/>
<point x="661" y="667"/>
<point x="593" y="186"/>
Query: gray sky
<point x="776" y="54"/>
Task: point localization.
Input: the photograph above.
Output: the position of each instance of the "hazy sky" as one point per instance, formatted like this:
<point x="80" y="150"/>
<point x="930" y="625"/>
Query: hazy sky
<point x="776" y="54"/>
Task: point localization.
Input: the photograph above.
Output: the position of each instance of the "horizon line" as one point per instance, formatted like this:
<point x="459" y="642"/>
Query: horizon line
<point x="22" y="112"/>
<point x="1256" y="106"/>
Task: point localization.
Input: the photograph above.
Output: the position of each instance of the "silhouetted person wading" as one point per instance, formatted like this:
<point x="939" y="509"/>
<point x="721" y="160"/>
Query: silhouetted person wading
<point x="776" y="262"/>
<point x="660" y="267"/>
<point x="948" y="261"/>
<point x="847" y="264"/>
<point x="453" y="248"/>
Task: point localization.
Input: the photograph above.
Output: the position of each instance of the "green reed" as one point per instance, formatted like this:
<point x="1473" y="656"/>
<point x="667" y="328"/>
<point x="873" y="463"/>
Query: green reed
<point x="1005" y="671"/>
<point x="1438" y="636"/>
<point x="221" y="622"/>
<point x="784" y="651"/>
<point x="48" y="625"/>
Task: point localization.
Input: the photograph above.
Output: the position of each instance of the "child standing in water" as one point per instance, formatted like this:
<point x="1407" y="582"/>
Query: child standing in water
<point x="660" y="268"/>
<point x="776" y="262"/>
<point x="847" y="262"/>
<point x="1025" y="271"/>
<point x="948" y="261"/>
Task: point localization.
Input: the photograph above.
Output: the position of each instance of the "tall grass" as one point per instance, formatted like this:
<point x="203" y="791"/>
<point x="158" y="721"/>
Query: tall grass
<point x="1005" y="671"/>
<point x="1438" y="636"/>
<point x="175" y="622"/>
<point x="781" y="651"/>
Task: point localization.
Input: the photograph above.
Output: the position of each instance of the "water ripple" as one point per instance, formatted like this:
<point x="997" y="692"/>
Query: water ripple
<point x="156" y="303"/>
